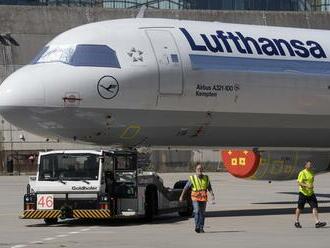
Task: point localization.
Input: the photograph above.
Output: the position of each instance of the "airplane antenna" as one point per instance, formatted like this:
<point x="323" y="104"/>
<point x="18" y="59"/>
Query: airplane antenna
<point x="141" y="12"/>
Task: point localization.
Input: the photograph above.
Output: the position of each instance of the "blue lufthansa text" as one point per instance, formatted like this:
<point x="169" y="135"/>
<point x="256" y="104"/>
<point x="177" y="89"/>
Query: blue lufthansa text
<point x="226" y="42"/>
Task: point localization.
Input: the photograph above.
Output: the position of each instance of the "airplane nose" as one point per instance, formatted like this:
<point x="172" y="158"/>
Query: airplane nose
<point x="23" y="88"/>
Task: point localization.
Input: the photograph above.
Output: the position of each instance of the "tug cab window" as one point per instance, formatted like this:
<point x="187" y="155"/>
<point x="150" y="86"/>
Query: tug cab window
<point x="54" y="167"/>
<point x="79" y="55"/>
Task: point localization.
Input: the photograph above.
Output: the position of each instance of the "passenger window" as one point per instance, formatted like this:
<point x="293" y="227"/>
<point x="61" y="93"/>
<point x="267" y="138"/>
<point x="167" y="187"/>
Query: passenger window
<point x="94" y="55"/>
<point x="175" y="58"/>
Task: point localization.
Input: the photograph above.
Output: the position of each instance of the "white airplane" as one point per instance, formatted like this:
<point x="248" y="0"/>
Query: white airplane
<point x="164" y="82"/>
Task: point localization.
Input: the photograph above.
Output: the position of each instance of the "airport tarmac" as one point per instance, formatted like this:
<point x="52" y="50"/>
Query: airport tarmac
<point x="246" y="214"/>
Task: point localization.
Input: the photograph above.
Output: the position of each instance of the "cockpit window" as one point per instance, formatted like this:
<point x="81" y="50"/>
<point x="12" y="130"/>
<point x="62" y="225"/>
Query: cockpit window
<point x="79" y="55"/>
<point x="42" y="52"/>
<point x="55" y="54"/>
<point x="94" y="55"/>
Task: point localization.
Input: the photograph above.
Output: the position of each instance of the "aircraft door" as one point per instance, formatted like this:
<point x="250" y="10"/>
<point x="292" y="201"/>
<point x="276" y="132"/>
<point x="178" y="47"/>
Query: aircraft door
<point x="169" y="61"/>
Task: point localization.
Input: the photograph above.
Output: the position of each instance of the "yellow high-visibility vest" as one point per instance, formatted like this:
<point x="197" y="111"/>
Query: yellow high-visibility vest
<point x="199" y="187"/>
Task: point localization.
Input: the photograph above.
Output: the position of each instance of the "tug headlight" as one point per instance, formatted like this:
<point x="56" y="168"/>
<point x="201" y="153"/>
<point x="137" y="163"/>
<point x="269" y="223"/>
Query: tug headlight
<point x="104" y="198"/>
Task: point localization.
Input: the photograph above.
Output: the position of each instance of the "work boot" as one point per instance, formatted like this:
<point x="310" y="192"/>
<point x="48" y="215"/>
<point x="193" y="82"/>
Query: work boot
<point x="297" y="225"/>
<point x="320" y="224"/>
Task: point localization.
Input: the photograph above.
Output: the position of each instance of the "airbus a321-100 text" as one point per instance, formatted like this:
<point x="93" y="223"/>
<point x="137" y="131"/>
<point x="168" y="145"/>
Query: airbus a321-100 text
<point x="162" y="82"/>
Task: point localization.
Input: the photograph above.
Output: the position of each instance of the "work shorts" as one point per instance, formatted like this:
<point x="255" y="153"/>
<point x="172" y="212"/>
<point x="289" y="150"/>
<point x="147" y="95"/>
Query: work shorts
<point x="311" y="200"/>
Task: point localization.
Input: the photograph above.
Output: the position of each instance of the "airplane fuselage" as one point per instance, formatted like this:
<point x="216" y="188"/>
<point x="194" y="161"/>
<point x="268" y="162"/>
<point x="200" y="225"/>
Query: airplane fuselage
<point x="182" y="83"/>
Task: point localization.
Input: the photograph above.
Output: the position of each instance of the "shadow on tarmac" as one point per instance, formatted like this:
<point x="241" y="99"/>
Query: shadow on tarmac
<point x="295" y="201"/>
<point x="224" y="231"/>
<point x="285" y="202"/>
<point x="296" y="193"/>
<point x="164" y="219"/>
<point x="260" y="212"/>
<point x="172" y="219"/>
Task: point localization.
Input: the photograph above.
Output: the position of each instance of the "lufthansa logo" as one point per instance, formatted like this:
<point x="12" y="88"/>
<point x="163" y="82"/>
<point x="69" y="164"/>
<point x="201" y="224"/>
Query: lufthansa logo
<point x="107" y="87"/>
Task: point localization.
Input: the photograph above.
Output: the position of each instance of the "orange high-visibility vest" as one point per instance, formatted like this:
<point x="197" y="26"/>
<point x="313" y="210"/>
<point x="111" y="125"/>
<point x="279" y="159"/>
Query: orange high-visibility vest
<point x="199" y="188"/>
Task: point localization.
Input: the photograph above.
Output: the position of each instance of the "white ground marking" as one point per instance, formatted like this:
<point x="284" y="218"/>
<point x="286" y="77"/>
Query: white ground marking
<point x="48" y="239"/>
<point x="62" y="235"/>
<point x="57" y="236"/>
<point x="100" y="232"/>
<point x="36" y="242"/>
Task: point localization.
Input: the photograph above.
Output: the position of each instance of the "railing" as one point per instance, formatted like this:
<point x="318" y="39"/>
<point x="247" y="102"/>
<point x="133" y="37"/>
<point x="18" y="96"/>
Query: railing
<point x="320" y="5"/>
<point x="53" y="2"/>
<point x="152" y="4"/>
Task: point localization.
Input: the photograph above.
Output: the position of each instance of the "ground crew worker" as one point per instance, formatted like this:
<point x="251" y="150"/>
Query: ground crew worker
<point x="199" y="184"/>
<point x="306" y="194"/>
